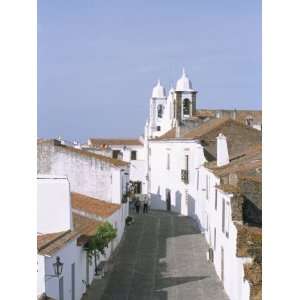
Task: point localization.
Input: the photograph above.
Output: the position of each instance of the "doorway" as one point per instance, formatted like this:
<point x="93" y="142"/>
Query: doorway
<point x="168" y="200"/>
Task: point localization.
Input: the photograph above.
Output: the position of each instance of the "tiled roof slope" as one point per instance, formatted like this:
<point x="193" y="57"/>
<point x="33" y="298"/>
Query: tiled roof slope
<point x="171" y="134"/>
<point x="242" y="178"/>
<point x="93" y="206"/>
<point x="112" y="161"/>
<point x="239" y="136"/>
<point x="100" y="142"/>
<point x="50" y="243"/>
<point x="85" y="227"/>
<point x="245" y="164"/>
<point x="239" y="115"/>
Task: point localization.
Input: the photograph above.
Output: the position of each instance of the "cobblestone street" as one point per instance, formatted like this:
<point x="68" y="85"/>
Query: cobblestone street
<point x="162" y="256"/>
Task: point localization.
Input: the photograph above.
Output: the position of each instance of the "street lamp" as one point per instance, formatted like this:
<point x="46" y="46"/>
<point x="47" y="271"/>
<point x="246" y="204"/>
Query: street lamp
<point x="58" y="267"/>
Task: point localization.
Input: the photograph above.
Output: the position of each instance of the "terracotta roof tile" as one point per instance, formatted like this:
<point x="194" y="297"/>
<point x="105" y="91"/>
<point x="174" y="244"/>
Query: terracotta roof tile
<point x="250" y="160"/>
<point x="93" y="206"/>
<point x="84" y="228"/>
<point x="49" y="244"/>
<point x="112" y="161"/>
<point x="171" y="134"/>
<point x="228" y="188"/>
<point x="100" y="142"/>
<point x="240" y="115"/>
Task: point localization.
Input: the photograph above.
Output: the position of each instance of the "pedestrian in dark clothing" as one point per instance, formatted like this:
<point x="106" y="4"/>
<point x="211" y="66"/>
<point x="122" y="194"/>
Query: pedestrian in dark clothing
<point x="137" y="206"/>
<point x="146" y="204"/>
<point x="145" y="208"/>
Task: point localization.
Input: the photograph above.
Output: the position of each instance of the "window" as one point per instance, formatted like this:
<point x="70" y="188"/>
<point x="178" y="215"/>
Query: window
<point x="115" y="154"/>
<point x="186" y="107"/>
<point x="168" y="161"/>
<point x="216" y="199"/>
<point x="160" y="110"/>
<point x="133" y="155"/>
<point x="223" y="215"/>
<point x="158" y="128"/>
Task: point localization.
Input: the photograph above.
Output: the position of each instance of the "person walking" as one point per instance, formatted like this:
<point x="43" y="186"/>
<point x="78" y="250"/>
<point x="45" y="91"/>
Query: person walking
<point x="137" y="205"/>
<point x="146" y="204"/>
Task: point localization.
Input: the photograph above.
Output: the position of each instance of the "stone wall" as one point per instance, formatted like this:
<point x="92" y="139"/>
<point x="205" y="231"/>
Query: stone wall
<point x="252" y="206"/>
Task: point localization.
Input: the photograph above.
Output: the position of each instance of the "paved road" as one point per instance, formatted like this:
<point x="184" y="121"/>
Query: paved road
<point x="163" y="257"/>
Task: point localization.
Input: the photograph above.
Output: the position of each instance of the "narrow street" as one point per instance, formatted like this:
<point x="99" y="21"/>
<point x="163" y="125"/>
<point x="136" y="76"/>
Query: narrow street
<point x="162" y="256"/>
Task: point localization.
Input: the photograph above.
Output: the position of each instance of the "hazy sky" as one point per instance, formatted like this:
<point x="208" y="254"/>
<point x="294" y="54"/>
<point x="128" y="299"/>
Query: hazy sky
<point x="98" y="60"/>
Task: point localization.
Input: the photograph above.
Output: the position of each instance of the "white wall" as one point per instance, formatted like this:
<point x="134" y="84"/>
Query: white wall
<point x="71" y="253"/>
<point x="137" y="167"/>
<point x="54" y="204"/>
<point x="161" y="179"/>
<point x="87" y="175"/>
<point x="40" y="275"/>
<point x="234" y="283"/>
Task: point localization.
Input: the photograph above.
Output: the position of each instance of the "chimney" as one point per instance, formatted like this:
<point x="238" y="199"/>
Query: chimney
<point x="222" y="151"/>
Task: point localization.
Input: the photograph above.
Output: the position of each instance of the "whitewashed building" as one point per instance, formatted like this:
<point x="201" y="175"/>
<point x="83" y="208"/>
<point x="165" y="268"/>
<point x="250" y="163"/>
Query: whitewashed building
<point x="57" y="237"/>
<point x="89" y="174"/>
<point x="231" y="200"/>
<point x="62" y="231"/>
<point x="66" y="221"/>
<point x="128" y="150"/>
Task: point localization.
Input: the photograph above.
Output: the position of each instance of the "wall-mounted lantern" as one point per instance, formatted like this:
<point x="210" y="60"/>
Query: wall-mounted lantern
<point x="58" y="267"/>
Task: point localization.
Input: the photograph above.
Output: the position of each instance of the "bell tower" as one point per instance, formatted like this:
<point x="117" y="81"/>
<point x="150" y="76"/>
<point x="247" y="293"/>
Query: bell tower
<point x="185" y="98"/>
<point x="158" y="110"/>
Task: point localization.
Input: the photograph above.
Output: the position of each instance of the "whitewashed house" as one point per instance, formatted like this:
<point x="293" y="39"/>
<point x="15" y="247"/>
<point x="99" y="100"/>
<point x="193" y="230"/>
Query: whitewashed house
<point x="175" y="182"/>
<point x="128" y="150"/>
<point x="57" y="236"/>
<point x="64" y="233"/>
<point x="66" y="221"/>
<point x="231" y="197"/>
<point x="99" y="210"/>
<point x="89" y="174"/>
